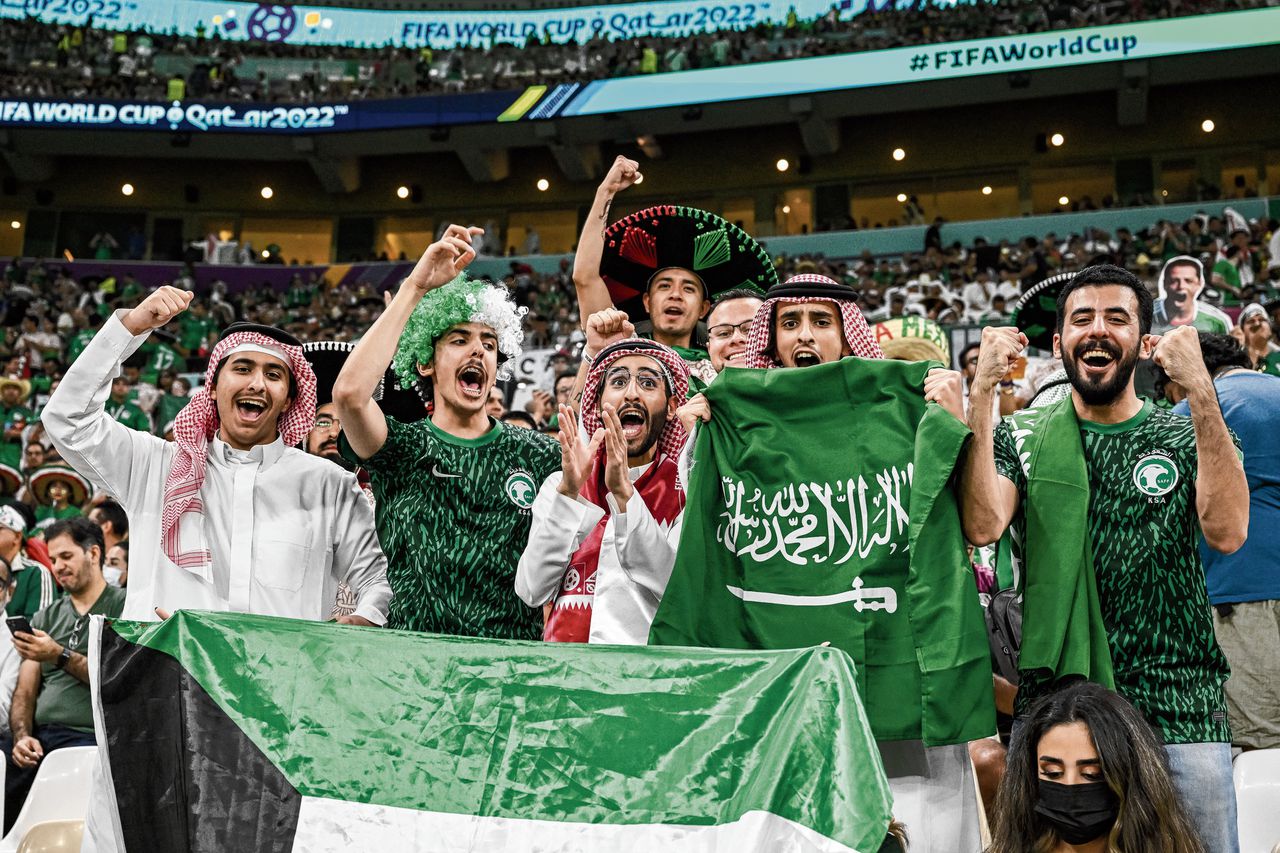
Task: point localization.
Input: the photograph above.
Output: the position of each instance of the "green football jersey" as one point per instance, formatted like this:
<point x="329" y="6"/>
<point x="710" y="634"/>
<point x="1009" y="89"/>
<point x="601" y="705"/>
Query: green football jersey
<point x="453" y="517"/>
<point x="1145" y="534"/>
<point x="130" y="415"/>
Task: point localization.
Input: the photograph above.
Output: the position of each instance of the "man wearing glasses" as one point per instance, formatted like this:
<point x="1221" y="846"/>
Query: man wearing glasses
<point x="55" y="666"/>
<point x="605" y="527"/>
<point x="729" y="327"/>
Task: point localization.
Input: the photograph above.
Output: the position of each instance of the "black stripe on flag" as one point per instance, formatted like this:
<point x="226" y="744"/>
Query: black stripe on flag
<point x="186" y="777"/>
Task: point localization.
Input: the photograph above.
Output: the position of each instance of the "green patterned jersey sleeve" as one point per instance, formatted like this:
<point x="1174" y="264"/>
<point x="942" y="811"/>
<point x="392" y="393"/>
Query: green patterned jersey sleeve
<point x="1008" y="465"/>
<point x="405" y="445"/>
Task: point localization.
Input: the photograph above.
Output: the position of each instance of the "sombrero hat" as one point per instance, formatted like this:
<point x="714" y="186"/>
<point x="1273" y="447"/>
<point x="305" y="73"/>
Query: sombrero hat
<point x="327" y="359"/>
<point x="656" y="238"/>
<point x="1036" y="312"/>
<point x="45" y="477"/>
<point x="912" y="338"/>
<point x="22" y="384"/>
<point x="10" y="480"/>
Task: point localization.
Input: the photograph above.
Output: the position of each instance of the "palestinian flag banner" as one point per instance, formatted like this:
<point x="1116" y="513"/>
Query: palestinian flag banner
<point x="223" y="732"/>
<point x="820" y="510"/>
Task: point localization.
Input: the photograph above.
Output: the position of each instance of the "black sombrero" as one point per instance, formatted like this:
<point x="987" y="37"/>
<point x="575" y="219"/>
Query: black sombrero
<point x="327" y="358"/>
<point x="656" y="238"/>
<point x="1036" y="312"/>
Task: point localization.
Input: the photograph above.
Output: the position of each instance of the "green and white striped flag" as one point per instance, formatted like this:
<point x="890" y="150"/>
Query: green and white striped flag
<point x="234" y="732"/>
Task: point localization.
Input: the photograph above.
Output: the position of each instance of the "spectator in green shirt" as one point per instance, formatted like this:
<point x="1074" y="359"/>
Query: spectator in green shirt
<point x="127" y="413"/>
<point x="51" y="706"/>
<point x="14" y="417"/>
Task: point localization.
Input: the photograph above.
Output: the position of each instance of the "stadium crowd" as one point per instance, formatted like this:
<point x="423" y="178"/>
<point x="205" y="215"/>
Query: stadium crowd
<point x="359" y="445"/>
<point x="43" y="60"/>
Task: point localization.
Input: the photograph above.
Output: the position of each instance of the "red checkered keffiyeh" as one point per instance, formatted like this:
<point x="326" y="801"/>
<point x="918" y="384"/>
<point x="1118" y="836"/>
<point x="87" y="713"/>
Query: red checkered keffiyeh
<point x="674" y="436"/>
<point x="195" y="427"/>
<point x="657" y="487"/>
<point x="856" y="331"/>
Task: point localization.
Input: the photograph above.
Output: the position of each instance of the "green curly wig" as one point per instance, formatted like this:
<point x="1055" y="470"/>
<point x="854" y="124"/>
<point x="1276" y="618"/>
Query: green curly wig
<point x="460" y="301"/>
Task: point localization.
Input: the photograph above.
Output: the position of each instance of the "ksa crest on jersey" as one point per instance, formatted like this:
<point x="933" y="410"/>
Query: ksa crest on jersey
<point x="1155" y="475"/>
<point x="521" y="489"/>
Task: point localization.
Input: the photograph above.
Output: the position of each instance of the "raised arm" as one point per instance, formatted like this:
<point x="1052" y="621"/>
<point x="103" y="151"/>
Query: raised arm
<point x="362" y="421"/>
<point x="1222" y="492"/>
<point x="604" y="327"/>
<point x="987" y="500"/>
<point x="89" y="439"/>
<point x="593" y="294"/>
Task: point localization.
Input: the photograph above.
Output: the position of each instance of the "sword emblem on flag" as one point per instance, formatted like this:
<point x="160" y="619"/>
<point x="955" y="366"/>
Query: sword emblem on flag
<point x="863" y="598"/>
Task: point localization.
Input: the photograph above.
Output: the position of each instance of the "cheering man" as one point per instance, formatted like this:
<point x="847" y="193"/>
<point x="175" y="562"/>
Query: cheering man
<point x="1108" y="496"/>
<point x="664" y="262"/>
<point x="454" y="491"/>
<point x="231" y="516"/>
<point x="605" y="527"/>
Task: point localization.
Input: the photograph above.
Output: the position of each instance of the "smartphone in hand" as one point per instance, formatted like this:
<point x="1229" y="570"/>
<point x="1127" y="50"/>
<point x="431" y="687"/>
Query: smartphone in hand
<point x="19" y="623"/>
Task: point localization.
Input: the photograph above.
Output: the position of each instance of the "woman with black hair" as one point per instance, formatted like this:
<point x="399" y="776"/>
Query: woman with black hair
<point x="1087" y="774"/>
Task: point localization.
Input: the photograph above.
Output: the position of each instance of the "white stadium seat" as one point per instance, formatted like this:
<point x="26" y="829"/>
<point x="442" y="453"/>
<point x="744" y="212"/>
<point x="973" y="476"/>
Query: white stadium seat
<point x="60" y="792"/>
<point x="1257" y="779"/>
<point x="53" y="836"/>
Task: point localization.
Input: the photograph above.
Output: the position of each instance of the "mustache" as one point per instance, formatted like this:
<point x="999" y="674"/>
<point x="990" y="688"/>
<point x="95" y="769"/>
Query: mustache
<point x="1106" y="346"/>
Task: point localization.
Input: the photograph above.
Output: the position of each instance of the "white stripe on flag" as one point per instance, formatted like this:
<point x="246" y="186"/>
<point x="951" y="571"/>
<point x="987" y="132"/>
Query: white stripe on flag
<point x="335" y="825"/>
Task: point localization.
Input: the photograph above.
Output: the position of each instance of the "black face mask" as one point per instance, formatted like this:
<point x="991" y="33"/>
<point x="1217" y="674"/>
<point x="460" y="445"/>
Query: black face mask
<point x="1078" y="813"/>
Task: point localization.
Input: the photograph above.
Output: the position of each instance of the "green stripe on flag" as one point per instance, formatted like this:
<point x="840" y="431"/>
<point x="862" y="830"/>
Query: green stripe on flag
<point x="523" y="104"/>
<point x="543" y="732"/>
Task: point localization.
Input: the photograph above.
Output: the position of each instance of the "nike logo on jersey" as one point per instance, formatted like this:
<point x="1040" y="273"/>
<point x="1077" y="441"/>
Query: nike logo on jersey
<point x="436" y="472"/>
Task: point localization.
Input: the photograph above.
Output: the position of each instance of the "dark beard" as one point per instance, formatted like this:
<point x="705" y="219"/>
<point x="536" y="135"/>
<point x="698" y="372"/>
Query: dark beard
<point x="1105" y="393"/>
<point x="657" y="425"/>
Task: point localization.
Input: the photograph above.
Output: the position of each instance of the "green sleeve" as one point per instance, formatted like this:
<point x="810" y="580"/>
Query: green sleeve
<point x="405" y="445"/>
<point x="1008" y="465"/>
<point x="35" y="590"/>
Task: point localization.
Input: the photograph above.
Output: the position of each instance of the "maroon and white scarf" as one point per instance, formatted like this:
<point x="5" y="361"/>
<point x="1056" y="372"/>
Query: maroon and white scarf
<point x="570" y="619"/>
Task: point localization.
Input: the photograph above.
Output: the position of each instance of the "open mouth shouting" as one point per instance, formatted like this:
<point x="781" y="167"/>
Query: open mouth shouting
<point x="251" y="409"/>
<point x="1096" y="357"/>
<point x="635" y="421"/>
<point x="471" y="381"/>
<point x="806" y="357"/>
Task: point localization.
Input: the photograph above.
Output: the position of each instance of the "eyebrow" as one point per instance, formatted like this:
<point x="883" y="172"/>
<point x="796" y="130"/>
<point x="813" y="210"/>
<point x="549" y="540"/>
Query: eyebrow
<point x="1084" y="762"/>
<point x="1114" y="309"/>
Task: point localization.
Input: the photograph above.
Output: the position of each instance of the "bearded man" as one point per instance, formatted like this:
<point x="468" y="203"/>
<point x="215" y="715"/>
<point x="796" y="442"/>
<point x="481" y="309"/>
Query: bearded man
<point x="605" y="526"/>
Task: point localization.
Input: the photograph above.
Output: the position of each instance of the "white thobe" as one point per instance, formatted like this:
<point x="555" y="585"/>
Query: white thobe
<point x="637" y="554"/>
<point x="283" y="527"/>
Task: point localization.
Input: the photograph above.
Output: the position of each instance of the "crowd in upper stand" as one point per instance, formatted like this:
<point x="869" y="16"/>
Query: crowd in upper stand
<point x="94" y="61"/>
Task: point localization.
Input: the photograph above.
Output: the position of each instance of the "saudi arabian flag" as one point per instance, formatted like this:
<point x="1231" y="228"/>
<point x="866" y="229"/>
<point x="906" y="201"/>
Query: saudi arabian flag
<point x="226" y="732"/>
<point x="820" y="510"/>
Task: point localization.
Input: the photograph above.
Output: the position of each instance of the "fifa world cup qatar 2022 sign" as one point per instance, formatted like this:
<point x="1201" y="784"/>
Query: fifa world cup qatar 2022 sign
<point x="300" y="24"/>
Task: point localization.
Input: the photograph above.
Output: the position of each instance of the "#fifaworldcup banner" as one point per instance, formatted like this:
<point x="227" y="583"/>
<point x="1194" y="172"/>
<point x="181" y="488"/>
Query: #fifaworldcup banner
<point x="232" y="732"/>
<point x="923" y="63"/>
<point x="300" y="24"/>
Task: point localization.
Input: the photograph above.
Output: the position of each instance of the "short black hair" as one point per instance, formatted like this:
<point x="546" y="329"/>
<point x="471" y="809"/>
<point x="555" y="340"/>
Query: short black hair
<point x="1219" y="351"/>
<point x="1103" y="275"/>
<point x="114" y="513"/>
<point x="571" y="374"/>
<point x="82" y="531"/>
<point x="737" y="293"/>
<point x="524" y="418"/>
<point x="964" y="353"/>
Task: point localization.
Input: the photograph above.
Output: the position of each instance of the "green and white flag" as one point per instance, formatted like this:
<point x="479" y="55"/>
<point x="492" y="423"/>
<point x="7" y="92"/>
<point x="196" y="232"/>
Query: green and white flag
<point x="819" y="510"/>
<point x="226" y="732"/>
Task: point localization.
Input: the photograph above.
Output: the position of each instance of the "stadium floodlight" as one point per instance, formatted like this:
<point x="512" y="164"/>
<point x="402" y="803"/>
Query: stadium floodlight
<point x="126" y="189"/>
<point x="902" y="197"/>
<point x="1063" y="200"/>
<point x="1056" y="140"/>
<point x="15" y="225"/>
<point x="267" y="192"/>
<point x="899" y="154"/>
<point x="1207" y="125"/>
<point x="986" y="190"/>
<point x="786" y="208"/>
<point x="783" y="164"/>
<point x="543" y="185"/>
<point x="402" y="192"/>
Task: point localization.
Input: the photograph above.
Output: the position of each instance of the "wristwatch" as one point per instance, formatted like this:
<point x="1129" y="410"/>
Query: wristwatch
<point x="63" y="659"/>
